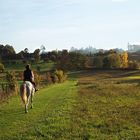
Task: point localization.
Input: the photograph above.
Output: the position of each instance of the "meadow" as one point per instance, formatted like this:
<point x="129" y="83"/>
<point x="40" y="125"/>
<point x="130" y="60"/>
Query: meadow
<point x="91" y="105"/>
<point x="19" y="66"/>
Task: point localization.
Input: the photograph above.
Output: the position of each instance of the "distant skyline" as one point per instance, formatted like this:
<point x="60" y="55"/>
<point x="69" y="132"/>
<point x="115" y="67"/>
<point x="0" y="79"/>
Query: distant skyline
<point x="61" y="24"/>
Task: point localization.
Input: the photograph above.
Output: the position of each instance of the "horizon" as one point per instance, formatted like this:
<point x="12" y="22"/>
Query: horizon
<point x="62" y="24"/>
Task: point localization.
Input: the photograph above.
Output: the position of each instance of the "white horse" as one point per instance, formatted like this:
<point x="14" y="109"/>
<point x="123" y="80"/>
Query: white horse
<point x="27" y="91"/>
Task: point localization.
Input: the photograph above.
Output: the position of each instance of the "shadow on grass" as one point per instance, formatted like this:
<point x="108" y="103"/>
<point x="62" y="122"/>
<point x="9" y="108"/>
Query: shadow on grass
<point x="132" y="81"/>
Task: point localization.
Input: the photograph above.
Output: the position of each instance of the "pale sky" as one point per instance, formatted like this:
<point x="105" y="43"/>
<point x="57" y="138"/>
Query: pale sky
<point x="61" y="24"/>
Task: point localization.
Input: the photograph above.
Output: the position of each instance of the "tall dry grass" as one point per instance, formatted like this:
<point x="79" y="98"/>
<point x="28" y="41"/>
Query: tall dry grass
<point x="108" y="106"/>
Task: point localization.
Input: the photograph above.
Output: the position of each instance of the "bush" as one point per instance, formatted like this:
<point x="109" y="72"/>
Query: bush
<point x="58" y="76"/>
<point x="48" y="77"/>
<point x="11" y="82"/>
<point x="37" y="78"/>
<point x="9" y="87"/>
<point x="20" y="75"/>
<point x="2" y="67"/>
<point x="61" y="75"/>
<point x="55" y="79"/>
<point x="134" y="65"/>
<point x="38" y="68"/>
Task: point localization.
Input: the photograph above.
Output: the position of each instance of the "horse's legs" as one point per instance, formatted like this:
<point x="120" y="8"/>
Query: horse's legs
<point x="26" y="104"/>
<point x="32" y="100"/>
<point x="26" y="108"/>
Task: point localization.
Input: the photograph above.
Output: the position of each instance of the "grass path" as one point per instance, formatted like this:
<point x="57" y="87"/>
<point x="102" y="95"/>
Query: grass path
<point x="49" y="119"/>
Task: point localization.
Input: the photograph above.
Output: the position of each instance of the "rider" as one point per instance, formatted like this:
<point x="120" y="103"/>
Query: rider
<point x="29" y="76"/>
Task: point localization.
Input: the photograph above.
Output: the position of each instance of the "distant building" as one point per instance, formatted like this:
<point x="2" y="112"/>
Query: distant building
<point x="133" y="48"/>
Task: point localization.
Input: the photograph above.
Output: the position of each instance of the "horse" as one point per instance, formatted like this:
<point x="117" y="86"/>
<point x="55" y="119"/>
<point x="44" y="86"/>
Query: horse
<point x="27" y="91"/>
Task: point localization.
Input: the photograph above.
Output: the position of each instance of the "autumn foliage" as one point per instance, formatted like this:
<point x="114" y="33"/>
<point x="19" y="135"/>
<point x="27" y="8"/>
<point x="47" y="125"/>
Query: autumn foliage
<point x="111" y="59"/>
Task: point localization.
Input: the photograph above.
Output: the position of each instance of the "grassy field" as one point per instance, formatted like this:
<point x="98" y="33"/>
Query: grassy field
<point x="44" y="66"/>
<point x="109" y="105"/>
<point x="96" y="105"/>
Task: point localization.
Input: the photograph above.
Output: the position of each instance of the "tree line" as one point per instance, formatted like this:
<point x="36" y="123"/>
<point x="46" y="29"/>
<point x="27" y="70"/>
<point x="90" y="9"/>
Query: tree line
<point x="69" y="60"/>
<point x="114" y="60"/>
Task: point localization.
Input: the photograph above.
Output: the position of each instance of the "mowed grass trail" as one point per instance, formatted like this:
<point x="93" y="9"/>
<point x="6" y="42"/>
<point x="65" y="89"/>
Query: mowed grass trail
<point x="49" y="119"/>
<point x="99" y="105"/>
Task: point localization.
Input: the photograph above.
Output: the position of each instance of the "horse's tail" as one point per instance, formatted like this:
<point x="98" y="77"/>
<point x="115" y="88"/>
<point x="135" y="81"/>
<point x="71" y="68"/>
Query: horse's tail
<point x="23" y="93"/>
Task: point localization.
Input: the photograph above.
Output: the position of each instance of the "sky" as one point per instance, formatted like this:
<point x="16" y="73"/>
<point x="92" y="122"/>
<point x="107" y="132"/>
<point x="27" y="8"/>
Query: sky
<point x="62" y="24"/>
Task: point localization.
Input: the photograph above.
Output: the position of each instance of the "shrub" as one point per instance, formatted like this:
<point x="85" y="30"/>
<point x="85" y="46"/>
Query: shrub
<point x="20" y="75"/>
<point x="57" y="76"/>
<point x="2" y="67"/>
<point x="54" y="77"/>
<point x="48" y="77"/>
<point x="37" y="78"/>
<point x="11" y="83"/>
<point x="61" y="76"/>
<point x="133" y="65"/>
<point x="38" y="68"/>
<point x="10" y="77"/>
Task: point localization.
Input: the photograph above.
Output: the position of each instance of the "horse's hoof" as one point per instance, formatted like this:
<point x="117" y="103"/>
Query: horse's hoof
<point x="26" y="111"/>
<point x="31" y="107"/>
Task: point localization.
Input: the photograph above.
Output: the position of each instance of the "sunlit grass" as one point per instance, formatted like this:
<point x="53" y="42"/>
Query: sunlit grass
<point x="133" y="77"/>
<point x="48" y="120"/>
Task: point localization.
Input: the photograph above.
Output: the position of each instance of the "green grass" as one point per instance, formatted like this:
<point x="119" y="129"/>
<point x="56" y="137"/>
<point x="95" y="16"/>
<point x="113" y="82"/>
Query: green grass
<point x="20" y="66"/>
<point x="134" y="77"/>
<point x="48" y="120"/>
<point x="98" y="106"/>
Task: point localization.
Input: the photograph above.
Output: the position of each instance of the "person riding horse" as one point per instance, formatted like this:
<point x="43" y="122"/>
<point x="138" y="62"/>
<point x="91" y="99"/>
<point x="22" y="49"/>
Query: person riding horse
<point x="29" y="76"/>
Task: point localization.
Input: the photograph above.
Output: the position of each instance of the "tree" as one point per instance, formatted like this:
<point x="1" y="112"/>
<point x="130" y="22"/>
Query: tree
<point x="111" y="59"/>
<point x="98" y="62"/>
<point x="63" y="60"/>
<point x="77" y="61"/>
<point x="124" y="59"/>
<point x="9" y="49"/>
<point x="114" y="60"/>
<point x="106" y="62"/>
<point x="70" y="60"/>
<point x="7" y="52"/>
<point x="20" y="55"/>
<point x="26" y="54"/>
<point x="42" y="49"/>
<point x="37" y="55"/>
<point x="26" y="50"/>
